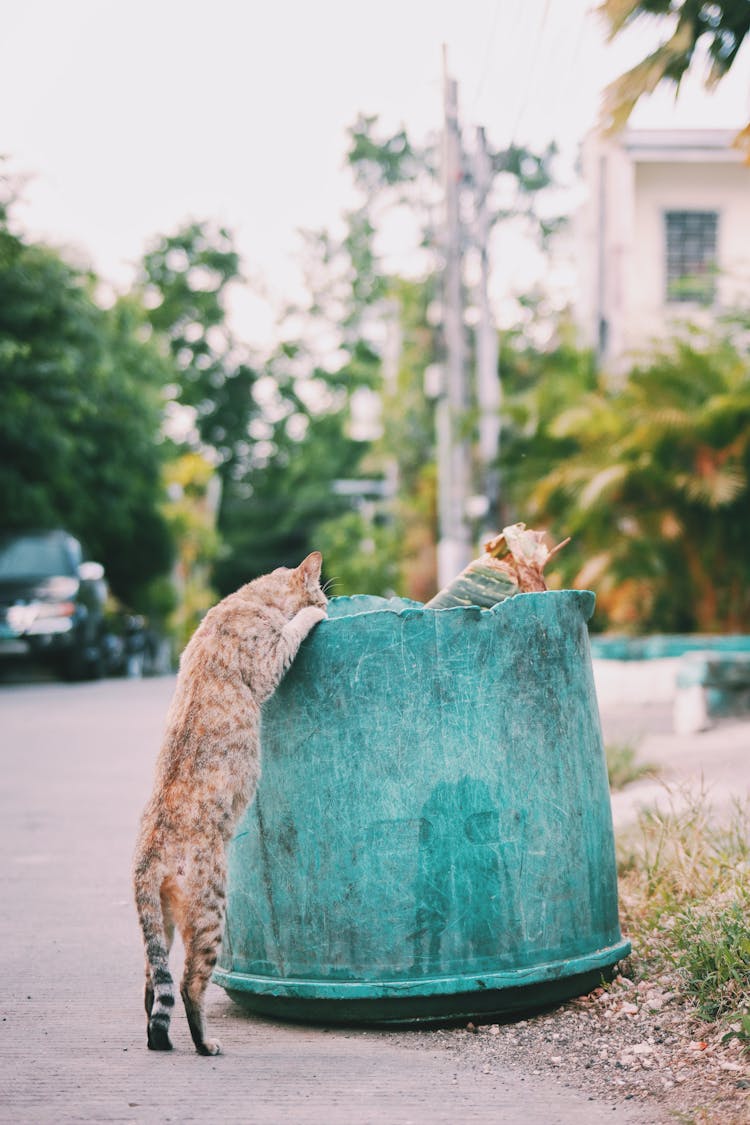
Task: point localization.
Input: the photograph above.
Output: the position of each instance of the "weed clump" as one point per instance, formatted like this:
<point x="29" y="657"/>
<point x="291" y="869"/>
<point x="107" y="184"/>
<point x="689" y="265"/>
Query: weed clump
<point x="623" y="766"/>
<point x="685" y="896"/>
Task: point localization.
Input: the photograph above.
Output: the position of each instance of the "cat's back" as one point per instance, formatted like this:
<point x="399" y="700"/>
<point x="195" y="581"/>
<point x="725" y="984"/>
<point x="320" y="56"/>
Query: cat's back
<point x="242" y="615"/>
<point x="209" y="681"/>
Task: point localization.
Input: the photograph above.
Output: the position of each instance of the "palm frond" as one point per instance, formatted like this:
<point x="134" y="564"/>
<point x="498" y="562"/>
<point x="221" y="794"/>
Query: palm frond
<point x="717" y="489"/>
<point x="604" y="483"/>
<point x="670" y="59"/>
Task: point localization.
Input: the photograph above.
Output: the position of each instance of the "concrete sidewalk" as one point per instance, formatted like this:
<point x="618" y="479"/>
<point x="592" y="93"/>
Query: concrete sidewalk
<point x="715" y="763"/>
<point x="77" y="765"/>
<point x="635" y="703"/>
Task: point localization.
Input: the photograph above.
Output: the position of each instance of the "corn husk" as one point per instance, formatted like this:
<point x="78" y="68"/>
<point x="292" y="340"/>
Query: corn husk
<point x="513" y="562"/>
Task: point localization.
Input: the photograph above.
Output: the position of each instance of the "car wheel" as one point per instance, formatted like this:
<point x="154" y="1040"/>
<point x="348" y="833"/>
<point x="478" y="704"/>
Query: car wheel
<point x="85" y="664"/>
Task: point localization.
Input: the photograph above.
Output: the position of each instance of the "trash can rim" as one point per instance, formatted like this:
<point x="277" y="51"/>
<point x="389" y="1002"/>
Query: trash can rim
<point x="405" y="607"/>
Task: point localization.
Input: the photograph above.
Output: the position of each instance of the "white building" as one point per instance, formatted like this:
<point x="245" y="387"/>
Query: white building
<point x="664" y="235"/>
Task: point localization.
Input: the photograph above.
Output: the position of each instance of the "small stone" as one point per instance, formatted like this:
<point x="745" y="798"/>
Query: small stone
<point x="629" y="1009"/>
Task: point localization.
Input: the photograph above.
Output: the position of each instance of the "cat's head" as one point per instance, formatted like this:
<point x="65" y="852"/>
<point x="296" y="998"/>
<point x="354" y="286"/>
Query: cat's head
<point x="292" y="588"/>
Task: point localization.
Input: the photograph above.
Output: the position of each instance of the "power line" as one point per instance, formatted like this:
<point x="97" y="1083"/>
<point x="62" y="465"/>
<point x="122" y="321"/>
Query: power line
<point x="488" y="52"/>
<point x="531" y="71"/>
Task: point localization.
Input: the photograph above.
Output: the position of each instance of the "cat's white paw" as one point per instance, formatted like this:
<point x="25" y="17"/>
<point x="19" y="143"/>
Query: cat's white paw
<point x="212" y="1046"/>
<point x="310" y="616"/>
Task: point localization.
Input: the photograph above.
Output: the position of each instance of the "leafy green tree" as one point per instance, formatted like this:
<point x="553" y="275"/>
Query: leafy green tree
<point x="120" y="460"/>
<point x="184" y="281"/>
<point x="392" y="172"/>
<point x="721" y="25"/>
<point x="360" y="553"/>
<point x="296" y="489"/>
<point x="271" y="512"/>
<point x="406" y="449"/>
<point x="80" y="412"/>
<point x="190" y="510"/>
<point x="539" y="385"/>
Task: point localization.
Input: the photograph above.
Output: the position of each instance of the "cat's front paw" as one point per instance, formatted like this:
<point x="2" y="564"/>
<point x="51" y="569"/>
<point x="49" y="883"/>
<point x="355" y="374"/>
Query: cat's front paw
<point x="310" y="616"/>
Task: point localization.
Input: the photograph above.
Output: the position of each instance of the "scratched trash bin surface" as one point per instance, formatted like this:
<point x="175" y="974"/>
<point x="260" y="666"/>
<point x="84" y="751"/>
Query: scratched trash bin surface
<point x="432" y="836"/>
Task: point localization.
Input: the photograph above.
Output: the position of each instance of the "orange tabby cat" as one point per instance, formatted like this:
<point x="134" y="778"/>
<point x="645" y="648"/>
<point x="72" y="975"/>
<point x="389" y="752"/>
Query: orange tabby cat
<point x="206" y="775"/>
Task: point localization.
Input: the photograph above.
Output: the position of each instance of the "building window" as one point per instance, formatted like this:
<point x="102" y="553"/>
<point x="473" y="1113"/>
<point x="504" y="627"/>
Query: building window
<point x="691" y="255"/>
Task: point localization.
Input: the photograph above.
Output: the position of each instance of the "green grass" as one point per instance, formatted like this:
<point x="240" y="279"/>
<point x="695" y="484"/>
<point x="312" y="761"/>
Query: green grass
<point x="623" y="766"/>
<point x="685" y="896"/>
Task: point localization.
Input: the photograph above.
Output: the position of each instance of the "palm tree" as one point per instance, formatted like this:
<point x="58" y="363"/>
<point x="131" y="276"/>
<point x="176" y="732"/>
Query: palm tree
<point x="654" y="490"/>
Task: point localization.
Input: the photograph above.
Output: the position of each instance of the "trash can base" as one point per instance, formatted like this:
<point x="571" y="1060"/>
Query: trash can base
<point x="396" y="1004"/>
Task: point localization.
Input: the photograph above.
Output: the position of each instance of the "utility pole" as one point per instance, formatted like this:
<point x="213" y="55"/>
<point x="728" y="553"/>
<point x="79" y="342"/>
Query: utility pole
<point x="487" y="378"/>
<point x="454" y="546"/>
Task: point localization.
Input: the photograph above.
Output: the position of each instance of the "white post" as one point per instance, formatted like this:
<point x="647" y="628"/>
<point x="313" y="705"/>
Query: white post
<point x="487" y="376"/>
<point x="454" y="549"/>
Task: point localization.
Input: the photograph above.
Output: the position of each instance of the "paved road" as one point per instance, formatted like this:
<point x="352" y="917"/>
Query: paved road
<point x="75" y="768"/>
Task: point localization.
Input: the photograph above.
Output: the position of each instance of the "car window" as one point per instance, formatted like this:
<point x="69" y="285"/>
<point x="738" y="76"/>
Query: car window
<point x="32" y="557"/>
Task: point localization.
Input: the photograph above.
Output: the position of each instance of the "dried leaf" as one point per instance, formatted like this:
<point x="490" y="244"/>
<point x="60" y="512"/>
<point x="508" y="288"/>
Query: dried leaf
<point x="513" y="562"/>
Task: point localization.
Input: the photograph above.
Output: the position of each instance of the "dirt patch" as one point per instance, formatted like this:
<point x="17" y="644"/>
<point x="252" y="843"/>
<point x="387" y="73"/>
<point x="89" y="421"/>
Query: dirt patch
<point x="637" y="1044"/>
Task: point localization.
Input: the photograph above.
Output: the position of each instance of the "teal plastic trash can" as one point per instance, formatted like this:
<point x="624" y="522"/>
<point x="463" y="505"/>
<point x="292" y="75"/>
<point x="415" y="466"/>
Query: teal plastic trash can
<point x="432" y="836"/>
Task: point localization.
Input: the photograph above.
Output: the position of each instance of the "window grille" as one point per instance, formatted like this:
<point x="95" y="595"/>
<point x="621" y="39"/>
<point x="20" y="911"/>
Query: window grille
<point x="691" y="255"/>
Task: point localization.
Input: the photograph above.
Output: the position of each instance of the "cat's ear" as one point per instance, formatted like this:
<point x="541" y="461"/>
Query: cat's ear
<point x="310" y="568"/>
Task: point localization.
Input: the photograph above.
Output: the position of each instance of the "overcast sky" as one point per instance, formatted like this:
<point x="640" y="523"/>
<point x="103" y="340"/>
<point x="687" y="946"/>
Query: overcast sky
<point x="129" y="118"/>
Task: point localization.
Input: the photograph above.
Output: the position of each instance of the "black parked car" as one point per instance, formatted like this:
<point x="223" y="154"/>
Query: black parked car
<point x="52" y="603"/>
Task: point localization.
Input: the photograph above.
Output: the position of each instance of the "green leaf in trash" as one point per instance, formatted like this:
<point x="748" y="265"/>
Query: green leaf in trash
<point x="513" y="562"/>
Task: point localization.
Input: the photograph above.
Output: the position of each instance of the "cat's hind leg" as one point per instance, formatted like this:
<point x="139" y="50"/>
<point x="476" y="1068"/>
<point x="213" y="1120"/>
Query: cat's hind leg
<point x="169" y="936"/>
<point x="148" y="996"/>
<point x="158" y="930"/>
<point x="202" y="938"/>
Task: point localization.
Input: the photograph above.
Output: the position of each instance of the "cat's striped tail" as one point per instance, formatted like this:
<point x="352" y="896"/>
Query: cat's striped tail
<point x="159" y="995"/>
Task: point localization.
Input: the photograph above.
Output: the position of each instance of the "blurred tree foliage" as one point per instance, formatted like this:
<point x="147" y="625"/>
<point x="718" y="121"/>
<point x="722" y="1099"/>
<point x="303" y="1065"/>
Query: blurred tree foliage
<point x="384" y="544"/>
<point x="192" y="488"/>
<point x="329" y="441"/>
<point x="649" y="475"/>
<point x="393" y="174"/>
<point x="721" y="25"/>
<point x="405" y="451"/>
<point x="184" y="283"/>
<point x="275" y="504"/>
<point x="276" y="430"/>
<point x="539" y="384"/>
<point x="80" y="415"/>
